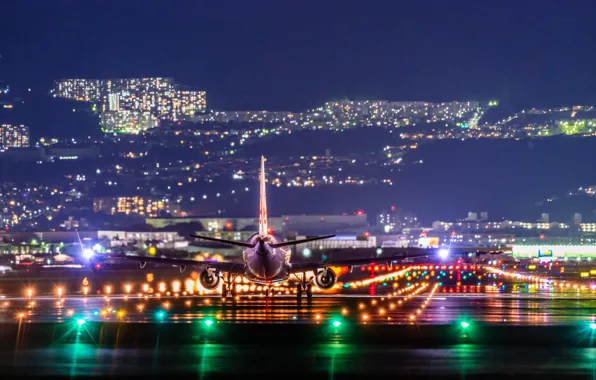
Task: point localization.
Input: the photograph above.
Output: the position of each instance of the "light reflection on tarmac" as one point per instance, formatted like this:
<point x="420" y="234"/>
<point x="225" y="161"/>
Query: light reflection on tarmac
<point x="329" y="357"/>
<point x="442" y="308"/>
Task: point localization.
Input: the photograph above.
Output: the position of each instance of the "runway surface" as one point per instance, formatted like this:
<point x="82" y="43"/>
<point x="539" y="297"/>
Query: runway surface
<point x="441" y="308"/>
<point x="411" y="326"/>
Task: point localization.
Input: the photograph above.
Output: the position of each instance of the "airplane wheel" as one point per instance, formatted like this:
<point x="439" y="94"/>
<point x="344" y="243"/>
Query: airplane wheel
<point x="299" y="291"/>
<point x="224" y="291"/>
<point x="309" y="291"/>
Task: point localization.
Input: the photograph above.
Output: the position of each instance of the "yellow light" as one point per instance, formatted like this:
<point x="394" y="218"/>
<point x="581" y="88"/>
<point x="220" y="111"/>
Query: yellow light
<point x="162" y="287"/>
<point x="344" y="311"/>
<point x="127" y="288"/>
<point x="176" y="286"/>
<point x="189" y="285"/>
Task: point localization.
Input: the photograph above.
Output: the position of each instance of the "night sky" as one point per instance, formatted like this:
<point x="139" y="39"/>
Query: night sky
<point x="282" y="55"/>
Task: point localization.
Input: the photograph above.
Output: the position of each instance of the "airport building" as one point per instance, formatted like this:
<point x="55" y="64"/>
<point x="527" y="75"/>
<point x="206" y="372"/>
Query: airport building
<point x="554" y="251"/>
<point x="281" y="224"/>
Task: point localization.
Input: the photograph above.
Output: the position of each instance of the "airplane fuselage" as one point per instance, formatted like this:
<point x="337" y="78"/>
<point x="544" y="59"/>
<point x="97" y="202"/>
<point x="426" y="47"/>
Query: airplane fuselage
<point x="265" y="264"/>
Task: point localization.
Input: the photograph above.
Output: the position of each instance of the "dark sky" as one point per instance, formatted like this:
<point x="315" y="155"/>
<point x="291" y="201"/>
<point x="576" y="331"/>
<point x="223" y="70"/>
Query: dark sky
<point x="297" y="54"/>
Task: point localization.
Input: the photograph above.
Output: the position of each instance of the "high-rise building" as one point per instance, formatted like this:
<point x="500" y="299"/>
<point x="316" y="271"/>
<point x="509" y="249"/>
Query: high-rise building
<point x="161" y="97"/>
<point x="14" y="136"/>
<point x="145" y="206"/>
<point x="114" y="102"/>
<point x="127" y="121"/>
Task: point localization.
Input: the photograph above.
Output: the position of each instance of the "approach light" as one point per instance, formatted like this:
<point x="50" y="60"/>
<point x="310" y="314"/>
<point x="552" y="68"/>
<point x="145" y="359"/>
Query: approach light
<point x="443" y="253"/>
<point x="87" y="253"/>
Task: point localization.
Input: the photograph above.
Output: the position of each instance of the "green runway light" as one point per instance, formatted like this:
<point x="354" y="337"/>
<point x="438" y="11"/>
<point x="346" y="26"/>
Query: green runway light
<point x="208" y="322"/>
<point x="336" y="323"/>
<point x="80" y="321"/>
<point x="465" y="325"/>
<point x="593" y="326"/>
<point x="160" y="314"/>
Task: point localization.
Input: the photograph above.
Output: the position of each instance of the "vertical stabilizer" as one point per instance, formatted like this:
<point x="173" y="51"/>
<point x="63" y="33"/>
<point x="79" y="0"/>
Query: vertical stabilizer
<point x="263" y="227"/>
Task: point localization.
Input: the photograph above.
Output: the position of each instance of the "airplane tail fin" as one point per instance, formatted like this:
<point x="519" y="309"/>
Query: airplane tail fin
<point x="295" y="242"/>
<point x="231" y="242"/>
<point x="263" y="225"/>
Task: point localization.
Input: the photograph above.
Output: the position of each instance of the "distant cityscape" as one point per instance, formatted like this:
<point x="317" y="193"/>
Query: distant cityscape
<point x="129" y="190"/>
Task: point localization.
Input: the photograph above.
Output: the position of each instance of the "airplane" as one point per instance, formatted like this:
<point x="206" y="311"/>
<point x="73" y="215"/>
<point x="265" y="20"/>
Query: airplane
<point x="265" y="260"/>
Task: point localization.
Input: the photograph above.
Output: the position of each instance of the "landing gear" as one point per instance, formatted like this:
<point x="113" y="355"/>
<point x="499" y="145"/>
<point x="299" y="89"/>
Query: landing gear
<point x="309" y="290"/>
<point x="229" y="286"/>
<point x="304" y="286"/>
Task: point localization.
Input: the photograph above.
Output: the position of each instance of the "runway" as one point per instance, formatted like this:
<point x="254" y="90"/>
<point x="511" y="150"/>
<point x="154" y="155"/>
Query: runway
<point x="418" y="295"/>
<point x="411" y="325"/>
<point x="421" y="308"/>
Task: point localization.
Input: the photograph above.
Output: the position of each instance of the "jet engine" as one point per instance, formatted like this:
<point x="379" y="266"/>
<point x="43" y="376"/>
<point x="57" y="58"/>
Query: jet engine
<point x="209" y="279"/>
<point x="325" y="278"/>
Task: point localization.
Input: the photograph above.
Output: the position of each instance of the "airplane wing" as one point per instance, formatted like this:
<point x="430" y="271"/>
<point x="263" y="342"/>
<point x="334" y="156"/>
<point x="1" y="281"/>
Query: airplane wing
<point x="296" y="242"/>
<point x="236" y="268"/>
<point x="230" y="242"/>
<point x="307" y="266"/>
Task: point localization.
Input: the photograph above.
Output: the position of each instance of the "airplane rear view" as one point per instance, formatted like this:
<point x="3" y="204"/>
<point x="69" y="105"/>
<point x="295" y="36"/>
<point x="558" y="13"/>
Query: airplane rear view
<point x="264" y="259"/>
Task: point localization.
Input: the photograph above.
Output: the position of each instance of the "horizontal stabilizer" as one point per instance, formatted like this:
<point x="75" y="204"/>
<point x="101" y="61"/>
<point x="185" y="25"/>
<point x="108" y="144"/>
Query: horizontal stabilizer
<point x="295" y="242"/>
<point x="231" y="242"/>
